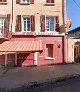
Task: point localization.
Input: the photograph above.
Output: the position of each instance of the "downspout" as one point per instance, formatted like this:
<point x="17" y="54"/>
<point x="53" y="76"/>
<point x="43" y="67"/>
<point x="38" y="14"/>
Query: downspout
<point x="64" y="11"/>
<point x="64" y="38"/>
<point x="12" y="28"/>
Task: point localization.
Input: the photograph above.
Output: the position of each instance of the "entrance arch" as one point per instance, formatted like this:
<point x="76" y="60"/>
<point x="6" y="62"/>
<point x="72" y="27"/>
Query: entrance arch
<point x="77" y="52"/>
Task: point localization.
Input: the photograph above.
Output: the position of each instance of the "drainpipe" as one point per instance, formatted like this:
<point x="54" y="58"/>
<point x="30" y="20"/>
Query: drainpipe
<point x="64" y="12"/>
<point x="12" y="28"/>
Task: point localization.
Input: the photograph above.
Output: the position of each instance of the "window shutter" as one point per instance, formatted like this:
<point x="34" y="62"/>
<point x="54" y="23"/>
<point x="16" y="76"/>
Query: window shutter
<point x="18" y="1"/>
<point x="47" y="1"/>
<point x="32" y="1"/>
<point x="4" y="0"/>
<point x="42" y="23"/>
<point x="18" y="23"/>
<point x="32" y="20"/>
<point x="7" y="24"/>
<point x="52" y="1"/>
<point x="57" y="28"/>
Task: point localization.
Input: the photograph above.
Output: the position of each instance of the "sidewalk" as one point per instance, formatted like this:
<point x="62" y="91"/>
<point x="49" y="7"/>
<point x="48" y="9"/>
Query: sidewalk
<point x="19" y="76"/>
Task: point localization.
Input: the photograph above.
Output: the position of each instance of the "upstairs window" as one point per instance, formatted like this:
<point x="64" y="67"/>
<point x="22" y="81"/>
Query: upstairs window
<point x="49" y="1"/>
<point x="2" y="23"/>
<point x="25" y="1"/>
<point x="3" y="1"/>
<point x="26" y="24"/>
<point x="49" y="24"/>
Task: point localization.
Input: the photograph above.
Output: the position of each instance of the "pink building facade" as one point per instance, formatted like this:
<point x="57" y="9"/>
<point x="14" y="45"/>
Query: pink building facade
<point x="34" y="21"/>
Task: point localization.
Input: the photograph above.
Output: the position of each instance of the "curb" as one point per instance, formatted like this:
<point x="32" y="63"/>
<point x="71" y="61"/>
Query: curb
<point x="61" y="81"/>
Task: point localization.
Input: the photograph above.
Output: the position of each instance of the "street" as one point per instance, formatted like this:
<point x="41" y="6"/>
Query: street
<point x="71" y="85"/>
<point x="21" y="77"/>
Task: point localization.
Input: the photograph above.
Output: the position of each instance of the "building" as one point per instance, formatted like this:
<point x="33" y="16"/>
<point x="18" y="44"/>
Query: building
<point x="74" y="45"/>
<point x="32" y="32"/>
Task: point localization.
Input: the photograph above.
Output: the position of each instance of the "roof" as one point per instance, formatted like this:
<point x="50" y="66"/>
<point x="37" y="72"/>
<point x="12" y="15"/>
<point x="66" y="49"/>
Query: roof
<point x="20" y="46"/>
<point x="74" y="30"/>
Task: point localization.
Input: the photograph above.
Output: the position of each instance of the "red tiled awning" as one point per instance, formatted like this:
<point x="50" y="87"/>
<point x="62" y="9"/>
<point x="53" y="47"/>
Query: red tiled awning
<point x="20" y="46"/>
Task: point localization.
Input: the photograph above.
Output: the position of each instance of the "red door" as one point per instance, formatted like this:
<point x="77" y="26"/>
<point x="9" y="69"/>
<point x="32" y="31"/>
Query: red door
<point x="25" y="59"/>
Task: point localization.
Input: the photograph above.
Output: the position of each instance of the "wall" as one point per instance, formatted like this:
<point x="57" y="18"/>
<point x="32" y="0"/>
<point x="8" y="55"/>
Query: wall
<point x="57" y="51"/>
<point x="71" y="42"/>
<point x="6" y="9"/>
<point x="38" y="8"/>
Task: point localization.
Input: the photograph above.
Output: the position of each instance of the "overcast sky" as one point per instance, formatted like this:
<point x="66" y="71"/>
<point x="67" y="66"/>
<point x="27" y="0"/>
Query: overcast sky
<point x="73" y="12"/>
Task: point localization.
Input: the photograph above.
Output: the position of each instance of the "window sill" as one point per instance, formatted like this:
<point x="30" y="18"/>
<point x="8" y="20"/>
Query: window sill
<point x="3" y="2"/>
<point x="23" y="3"/>
<point x="49" y="4"/>
<point x="49" y="58"/>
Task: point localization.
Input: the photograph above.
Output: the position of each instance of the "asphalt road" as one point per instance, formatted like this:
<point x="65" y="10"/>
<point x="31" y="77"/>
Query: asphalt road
<point x="71" y="85"/>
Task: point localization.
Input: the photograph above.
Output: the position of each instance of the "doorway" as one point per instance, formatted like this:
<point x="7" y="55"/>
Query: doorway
<point x="77" y="52"/>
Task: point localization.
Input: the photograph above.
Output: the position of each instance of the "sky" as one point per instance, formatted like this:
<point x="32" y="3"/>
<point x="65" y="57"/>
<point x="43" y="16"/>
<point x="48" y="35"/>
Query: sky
<point x="73" y="13"/>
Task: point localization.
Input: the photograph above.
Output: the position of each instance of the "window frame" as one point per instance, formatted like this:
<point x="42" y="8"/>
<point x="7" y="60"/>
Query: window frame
<point x="3" y="2"/>
<point x="54" y="24"/>
<point x="26" y="24"/>
<point x="22" y="2"/>
<point x="50" y="1"/>
<point x="50" y="4"/>
<point x="47" y="57"/>
<point x="3" y="17"/>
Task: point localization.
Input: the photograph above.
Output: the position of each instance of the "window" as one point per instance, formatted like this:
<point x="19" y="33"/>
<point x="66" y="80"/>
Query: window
<point x="49" y="50"/>
<point x="2" y="23"/>
<point x="49" y="24"/>
<point x="49" y="1"/>
<point x="3" y="0"/>
<point x="26" y="24"/>
<point x="24" y="1"/>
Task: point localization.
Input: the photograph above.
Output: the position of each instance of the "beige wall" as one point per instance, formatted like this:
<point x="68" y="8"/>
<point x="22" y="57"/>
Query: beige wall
<point x="71" y="43"/>
<point x="37" y="9"/>
<point x="5" y="9"/>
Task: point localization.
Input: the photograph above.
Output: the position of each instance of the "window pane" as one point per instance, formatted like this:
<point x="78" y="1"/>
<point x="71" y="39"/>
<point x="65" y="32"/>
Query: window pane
<point x="0" y="23"/>
<point x="4" y="22"/>
<point x="49" y="24"/>
<point x="26" y="23"/>
<point x="25" y="0"/>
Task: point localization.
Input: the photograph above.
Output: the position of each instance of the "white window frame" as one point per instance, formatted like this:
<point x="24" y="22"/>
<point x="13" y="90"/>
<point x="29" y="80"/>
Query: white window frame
<point x="54" y="24"/>
<point x="26" y="26"/>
